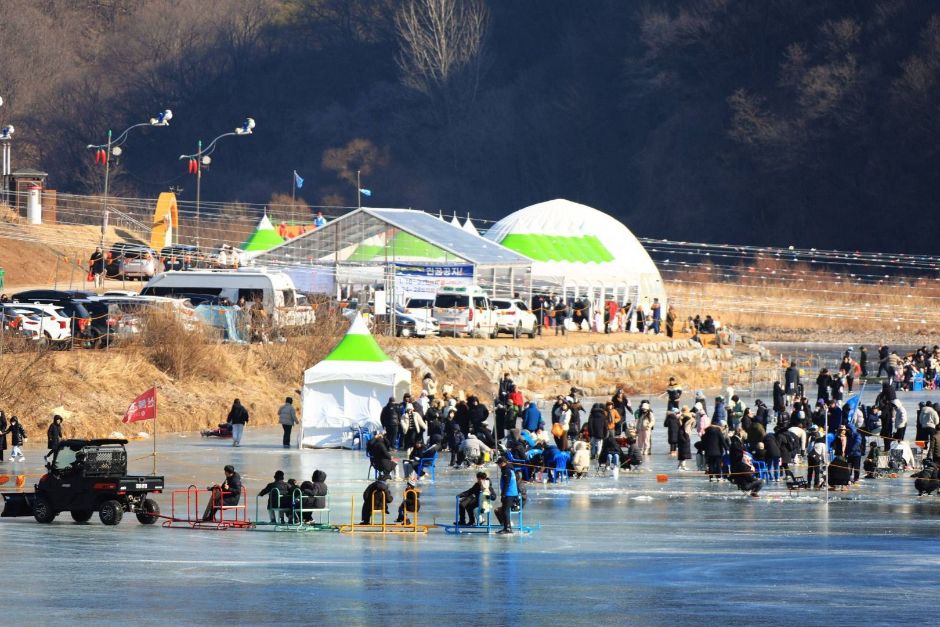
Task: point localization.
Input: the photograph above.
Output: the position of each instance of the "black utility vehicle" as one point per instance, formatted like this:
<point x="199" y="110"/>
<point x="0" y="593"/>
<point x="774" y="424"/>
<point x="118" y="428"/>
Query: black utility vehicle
<point x="84" y="477"/>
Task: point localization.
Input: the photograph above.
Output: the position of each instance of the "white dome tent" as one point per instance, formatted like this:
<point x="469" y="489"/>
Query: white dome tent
<point x="581" y="252"/>
<point x="349" y="388"/>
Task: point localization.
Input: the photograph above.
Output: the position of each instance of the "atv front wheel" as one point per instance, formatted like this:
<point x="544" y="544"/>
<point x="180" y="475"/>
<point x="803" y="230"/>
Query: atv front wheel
<point x="42" y="510"/>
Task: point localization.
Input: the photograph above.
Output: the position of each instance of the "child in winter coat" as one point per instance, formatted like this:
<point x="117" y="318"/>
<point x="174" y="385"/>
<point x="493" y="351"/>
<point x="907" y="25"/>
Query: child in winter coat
<point x="18" y="437"/>
<point x="581" y="459"/>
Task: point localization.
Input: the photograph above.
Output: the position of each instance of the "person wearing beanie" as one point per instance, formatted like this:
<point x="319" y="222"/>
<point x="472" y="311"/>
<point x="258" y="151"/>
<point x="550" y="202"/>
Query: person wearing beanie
<point x="279" y="497"/>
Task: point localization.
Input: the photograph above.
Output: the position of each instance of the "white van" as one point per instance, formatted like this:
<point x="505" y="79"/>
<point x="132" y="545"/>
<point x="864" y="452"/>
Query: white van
<point x="464" y="310"/>
<point x="275" y="289"/>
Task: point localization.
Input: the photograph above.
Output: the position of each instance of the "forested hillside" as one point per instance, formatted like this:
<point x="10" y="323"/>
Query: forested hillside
<point x="778" y="121"/>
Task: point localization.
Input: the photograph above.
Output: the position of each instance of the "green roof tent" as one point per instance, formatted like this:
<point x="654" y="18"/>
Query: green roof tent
<point x="348" y="389"/>
<point x="264" y="238"/>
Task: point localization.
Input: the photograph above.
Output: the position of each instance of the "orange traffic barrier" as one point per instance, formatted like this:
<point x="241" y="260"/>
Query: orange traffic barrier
<point x="20" y="481"/>
<point x="4" y="479"/>
<point x="662" y="478"/>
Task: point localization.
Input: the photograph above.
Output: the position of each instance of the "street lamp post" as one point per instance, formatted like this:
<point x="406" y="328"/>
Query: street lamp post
<point x="112" y="147"/>
<point x="200" y="160"/>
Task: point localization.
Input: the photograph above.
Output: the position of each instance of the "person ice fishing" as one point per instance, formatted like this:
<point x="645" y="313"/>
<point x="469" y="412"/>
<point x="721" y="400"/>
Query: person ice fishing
<point x="410" y="503"/>
<point x="228" y="494"/>
<point x="479" y="495"/>
<point x="374" y="497"/>
<point x="278" y="493"/>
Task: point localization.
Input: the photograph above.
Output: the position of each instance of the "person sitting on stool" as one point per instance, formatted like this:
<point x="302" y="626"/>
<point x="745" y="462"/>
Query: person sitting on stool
<point x="228" y="494"/>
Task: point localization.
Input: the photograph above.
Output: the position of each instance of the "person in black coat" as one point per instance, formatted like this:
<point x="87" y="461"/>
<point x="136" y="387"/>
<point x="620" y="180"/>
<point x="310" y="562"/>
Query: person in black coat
<point x="229" y="493"/>
<point x="3" y="434"/>
<point x="380" y="455"/>
<point x="314" y="493"/>
<point x="791" y="381"/>
<point x="713" y="446"/>
<point x="470" y="500"/>
<point x="463" y="417"/>
<point x="279" y="496"/>
<point x="824" y="385"/>
<point x="597" y="427"/>
<point x="928" y="479"/>
<point x="391" y="421"/>
<point x="372" y="498"/>
<point x="671" y="423"/>
<point x="54" y="433"/>
<point x="238" y="418"/>
<point x="17" y="438"/>
<point x="780" y="402"/>
<point x="772" y="455"/>
<point x="478" y="413"/>
<point x="610" y="448"/>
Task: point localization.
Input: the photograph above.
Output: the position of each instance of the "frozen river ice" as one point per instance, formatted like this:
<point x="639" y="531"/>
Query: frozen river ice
<point x="627" y="551"/>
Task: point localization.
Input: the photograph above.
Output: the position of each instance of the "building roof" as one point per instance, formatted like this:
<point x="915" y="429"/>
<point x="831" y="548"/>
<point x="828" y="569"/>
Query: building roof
<point x="453" y="239"/>
<point x="420" y="235"/>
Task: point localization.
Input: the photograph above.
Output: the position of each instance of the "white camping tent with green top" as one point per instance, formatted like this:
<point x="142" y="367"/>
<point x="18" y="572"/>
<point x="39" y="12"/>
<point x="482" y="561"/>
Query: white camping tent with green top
<point x="349" y="388"/>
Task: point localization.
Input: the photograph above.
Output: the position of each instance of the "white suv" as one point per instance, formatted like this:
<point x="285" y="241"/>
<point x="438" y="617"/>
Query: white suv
<point x="54" y="324"/>
<point x="464" y="310"/>
<point x="512" y="316"/>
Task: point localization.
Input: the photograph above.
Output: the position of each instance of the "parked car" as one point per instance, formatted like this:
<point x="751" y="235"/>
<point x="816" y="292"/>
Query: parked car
<point x="54" y="323"/>
<point x="131" y="259"/>
<point x="89" y="319"/>
<point x="182" y="257"/>
<point x="464" y="310"/>
<point x="513" y="316"/>
<point x="18" y="322"/>
<point x="420" y="308"/>
<point x="141" y="267"/>
<point x="405" y="325"/>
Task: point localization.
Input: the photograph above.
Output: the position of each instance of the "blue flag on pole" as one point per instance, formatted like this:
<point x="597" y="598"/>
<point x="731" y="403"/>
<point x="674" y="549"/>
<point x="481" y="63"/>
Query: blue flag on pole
<point x="365" y="192"/>
<point x="852" y="404"/>
<point x="298" y="181"/>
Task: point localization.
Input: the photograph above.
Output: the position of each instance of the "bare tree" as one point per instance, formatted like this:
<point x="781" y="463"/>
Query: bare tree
<point x="441" y="48"/>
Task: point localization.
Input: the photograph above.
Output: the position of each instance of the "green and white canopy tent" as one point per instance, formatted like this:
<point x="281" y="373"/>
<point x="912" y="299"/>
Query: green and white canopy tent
<point x="265" y="237"/>
<point x="349" y="388"/>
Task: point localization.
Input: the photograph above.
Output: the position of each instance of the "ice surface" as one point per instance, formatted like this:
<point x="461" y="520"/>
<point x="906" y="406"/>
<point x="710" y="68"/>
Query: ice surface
<point x="631" y="551"/>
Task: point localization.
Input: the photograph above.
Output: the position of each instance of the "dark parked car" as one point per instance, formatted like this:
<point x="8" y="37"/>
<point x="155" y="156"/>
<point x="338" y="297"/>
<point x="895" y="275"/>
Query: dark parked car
<point x="181" y="257"/>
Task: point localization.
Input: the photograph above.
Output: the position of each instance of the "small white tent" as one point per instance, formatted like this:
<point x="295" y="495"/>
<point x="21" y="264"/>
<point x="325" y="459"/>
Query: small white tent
<point x="349" y="388"/>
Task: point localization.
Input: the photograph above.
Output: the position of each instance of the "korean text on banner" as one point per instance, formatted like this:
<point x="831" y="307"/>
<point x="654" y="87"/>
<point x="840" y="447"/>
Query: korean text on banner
<point x="144" y="407"/>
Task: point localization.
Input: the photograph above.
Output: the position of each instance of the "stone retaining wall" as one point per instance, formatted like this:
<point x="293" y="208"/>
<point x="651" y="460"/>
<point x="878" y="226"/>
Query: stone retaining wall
<point x="585" y="365"/>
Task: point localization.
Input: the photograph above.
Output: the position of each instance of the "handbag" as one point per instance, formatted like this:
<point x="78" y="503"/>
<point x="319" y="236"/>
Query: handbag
<point x="91" y="276"/>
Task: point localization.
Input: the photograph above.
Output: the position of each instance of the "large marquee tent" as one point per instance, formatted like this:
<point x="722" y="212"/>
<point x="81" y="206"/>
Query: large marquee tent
<point x="579" y="251"/>
<point x="349" y="388"/>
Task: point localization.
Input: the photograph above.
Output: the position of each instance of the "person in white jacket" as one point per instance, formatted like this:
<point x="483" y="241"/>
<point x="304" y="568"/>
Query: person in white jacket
<point x="900" y="420"/>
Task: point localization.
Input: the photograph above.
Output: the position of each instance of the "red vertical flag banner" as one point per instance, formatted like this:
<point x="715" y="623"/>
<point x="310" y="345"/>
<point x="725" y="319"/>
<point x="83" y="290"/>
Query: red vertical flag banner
<point x="144" y="407"/>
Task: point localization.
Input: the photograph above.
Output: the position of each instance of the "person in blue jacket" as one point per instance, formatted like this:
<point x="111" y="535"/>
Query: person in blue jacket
<point x="531" y="417"/>
<point x="509" y="493"/>
<point x="721" y="411"/>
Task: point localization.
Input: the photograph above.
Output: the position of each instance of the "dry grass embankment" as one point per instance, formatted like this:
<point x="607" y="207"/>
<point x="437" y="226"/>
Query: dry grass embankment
<point x="196" y="378"/>
<point x="798" y="302"/>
